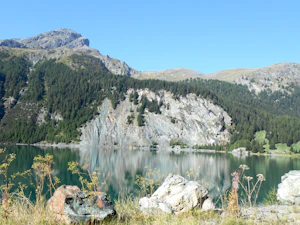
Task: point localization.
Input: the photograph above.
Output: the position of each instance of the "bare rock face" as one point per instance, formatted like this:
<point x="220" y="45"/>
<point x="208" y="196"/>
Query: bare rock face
<point x="289" y="189"/>
<point x="117" y="67"/>
<point x="77" y="43"/>
<point x="55" y="39"/>
<point x="70" y="205"/>
<point x="191" y="120"/>
<point x="175" y="195"/>
<point x="11" y="44"/>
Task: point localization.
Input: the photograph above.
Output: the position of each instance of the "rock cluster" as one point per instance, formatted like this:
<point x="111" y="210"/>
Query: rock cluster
<point x="176" y="195"/>
<point x="70" y="205"/>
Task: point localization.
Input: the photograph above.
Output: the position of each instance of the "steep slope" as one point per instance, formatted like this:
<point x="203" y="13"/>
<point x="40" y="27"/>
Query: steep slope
<point x="190" y="120"/>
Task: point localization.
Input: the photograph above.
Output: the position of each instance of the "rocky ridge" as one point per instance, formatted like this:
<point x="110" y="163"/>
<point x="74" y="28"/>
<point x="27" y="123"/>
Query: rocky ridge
<point x="277" y="77"/>
<point x="61" y="43"/>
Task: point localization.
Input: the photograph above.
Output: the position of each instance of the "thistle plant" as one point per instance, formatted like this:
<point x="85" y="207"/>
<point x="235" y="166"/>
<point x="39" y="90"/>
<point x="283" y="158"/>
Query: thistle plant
<point x="251" y="189"/>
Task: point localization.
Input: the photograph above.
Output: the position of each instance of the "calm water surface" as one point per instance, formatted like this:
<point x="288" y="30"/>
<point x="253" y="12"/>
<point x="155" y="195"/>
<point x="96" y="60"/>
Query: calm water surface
<point x="120" y="168"/>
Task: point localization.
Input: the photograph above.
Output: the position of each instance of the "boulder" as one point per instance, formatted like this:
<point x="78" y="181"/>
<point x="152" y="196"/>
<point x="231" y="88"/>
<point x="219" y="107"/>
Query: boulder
<point x="289" y="189"/>
<point x="175" y="195"/>
<point x="70" y="205"/>
<point x="208" y="205"/>
<point x="240" y="152"/>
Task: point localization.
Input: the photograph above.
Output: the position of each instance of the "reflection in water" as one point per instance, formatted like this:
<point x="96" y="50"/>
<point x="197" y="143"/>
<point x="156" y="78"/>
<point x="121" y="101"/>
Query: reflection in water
<point x="119" y="168"/>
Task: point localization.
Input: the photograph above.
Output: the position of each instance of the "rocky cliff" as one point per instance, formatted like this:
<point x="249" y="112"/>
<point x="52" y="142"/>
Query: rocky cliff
<point x="191" y="120"/>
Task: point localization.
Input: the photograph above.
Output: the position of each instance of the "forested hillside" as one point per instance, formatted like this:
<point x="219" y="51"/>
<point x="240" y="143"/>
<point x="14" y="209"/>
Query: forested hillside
<point x="278" y="113"/>
<point x="69" y="97"/>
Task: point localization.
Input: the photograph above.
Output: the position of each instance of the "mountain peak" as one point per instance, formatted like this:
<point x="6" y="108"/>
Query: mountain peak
<point x="62" y="37"/>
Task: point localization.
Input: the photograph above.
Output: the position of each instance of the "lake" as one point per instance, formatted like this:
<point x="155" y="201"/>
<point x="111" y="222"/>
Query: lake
<point x="119" y="168"/>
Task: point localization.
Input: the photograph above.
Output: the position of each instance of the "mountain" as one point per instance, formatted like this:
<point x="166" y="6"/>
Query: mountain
<point x="61" y="43"/>
<point x="55" y="88"/>
<point x="277" y="77"/>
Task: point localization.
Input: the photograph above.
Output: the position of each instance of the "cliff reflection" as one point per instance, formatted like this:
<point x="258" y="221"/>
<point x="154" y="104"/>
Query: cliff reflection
<point x="121" y="167"/>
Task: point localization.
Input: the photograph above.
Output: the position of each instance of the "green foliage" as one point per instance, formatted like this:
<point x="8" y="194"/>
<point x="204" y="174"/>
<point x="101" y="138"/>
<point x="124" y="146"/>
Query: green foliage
<point x="211" y="146"/>
<point x="130" y="118"/>
<point x="177" y="142"/>
<point x="43" y="175"/>
<point x="90" y="181"/>
<point x="271" y="197"/>
<point x="13" y="75"/>
<point x="276" y="113"/>
<point x="140" y="120"/>
<point x="150" y="182"/>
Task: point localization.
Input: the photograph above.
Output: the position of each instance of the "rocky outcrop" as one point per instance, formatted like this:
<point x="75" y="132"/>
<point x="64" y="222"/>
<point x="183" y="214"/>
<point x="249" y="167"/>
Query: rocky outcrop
<point x="55" y="39"/>
<point x="191" y="120"/>
<point x="289" y="189"/>
<point x="69" y="205"/>
<point x="118" y="67"/>
<point x="12" y="44"/>
<point x="175" y="195"/>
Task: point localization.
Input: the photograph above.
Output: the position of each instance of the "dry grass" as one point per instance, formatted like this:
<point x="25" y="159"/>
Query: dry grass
<point x="127" y="213"/>
<point x="20" y="213"/>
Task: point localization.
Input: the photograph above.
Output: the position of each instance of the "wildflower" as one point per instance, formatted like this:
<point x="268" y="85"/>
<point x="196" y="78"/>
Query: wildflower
<point x="248" y="178"/>
<point x="260" y="177"/>
<point x="234" y="174"/>
<point x="244" y="167"/>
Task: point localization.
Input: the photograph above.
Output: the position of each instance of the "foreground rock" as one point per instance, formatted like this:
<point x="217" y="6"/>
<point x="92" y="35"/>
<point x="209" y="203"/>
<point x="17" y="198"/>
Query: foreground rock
<point x="176" y="195"/>
<point x="70" y="205"/>
<point x="289" y="189"/>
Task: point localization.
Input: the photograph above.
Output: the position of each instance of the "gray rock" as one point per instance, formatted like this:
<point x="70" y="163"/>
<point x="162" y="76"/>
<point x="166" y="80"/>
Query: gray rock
<point x="190" y="119"/>
<point x="77" y="43"/>
<point x="69" y="205"/>
<point x="175" y="195"/>
<point x="12" y="44"/>
<point x="288" y="191"/>
<point x="53" y="39"/>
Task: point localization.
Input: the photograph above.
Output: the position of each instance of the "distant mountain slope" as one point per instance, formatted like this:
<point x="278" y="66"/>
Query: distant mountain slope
<point x="277" y="77"/>
<point x="169" y="75"/>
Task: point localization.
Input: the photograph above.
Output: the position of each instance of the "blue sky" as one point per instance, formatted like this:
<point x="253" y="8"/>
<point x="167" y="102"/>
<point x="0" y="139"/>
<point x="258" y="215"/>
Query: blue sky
<point x="154" y="35"/>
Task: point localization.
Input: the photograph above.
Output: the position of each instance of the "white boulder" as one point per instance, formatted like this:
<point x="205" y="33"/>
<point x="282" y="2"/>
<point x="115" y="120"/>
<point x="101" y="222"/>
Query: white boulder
<point x="289" y="189"/>
<point x="175" y="195"/>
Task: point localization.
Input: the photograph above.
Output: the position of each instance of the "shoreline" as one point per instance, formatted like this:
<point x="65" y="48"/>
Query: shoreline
<point x="175" y="150"/>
